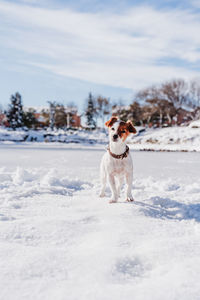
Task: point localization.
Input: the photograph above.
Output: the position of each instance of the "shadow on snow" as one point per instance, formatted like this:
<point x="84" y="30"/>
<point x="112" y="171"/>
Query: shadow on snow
<point x="165" y="208"/>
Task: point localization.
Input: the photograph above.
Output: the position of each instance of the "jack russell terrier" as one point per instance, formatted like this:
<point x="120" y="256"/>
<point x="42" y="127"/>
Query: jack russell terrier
<point x="117" y="162"/>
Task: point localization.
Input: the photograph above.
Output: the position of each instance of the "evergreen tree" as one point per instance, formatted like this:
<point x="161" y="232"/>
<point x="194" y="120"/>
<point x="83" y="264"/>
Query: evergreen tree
<point x="90" y="112"/>
<point x="15" y="112"/>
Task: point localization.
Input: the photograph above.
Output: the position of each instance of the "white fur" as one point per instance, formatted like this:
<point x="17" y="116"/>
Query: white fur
<point x="115" y="170"/>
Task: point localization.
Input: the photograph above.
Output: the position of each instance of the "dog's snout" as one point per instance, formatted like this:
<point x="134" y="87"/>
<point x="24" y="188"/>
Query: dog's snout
<point x="115" y="136"/>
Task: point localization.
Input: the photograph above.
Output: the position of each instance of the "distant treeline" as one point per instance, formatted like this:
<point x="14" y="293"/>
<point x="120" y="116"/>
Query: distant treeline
<point x="171" y="103"/>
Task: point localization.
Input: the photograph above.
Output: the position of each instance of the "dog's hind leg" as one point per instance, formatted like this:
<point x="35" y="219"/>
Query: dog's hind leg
<point x="129" y="180"/>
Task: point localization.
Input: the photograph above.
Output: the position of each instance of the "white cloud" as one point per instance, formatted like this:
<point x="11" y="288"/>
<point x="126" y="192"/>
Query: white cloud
<point x="195" y="3"/>
<point x="114" y="49"/>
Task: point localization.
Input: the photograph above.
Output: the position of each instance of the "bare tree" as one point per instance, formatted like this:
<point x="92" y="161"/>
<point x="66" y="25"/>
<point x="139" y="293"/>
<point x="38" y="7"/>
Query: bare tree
<point x="149" y="93"/>
<point x="135" y="113"/>
<point x="52" y="110"/>
<point x="103" y="108"/>
<point x="167" y="99"/>
<point x="57" y="115"/>
<point x="147" y="113"/>
<point x="195" y="92"/>
<point x="158" y="108"/>
<point x="121" y="110"/>
<point x="176" y="92"/>
<point x="163" y="109"/>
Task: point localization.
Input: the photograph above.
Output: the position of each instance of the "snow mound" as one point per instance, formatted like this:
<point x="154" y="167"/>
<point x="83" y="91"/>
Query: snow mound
<point x="30" y="182"/>
<point x="195" y="124"/>
<point x="168" y="139"/>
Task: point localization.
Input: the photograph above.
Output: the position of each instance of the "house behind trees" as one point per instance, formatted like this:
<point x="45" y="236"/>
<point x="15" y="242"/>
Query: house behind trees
<point x="64" y="116"/>
<point x="39" y="117"/>
<point x="175" y="102"/>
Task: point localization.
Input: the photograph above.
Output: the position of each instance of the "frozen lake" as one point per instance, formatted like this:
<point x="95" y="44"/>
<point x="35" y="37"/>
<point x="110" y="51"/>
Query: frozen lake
<point x="59" y="240"/>
<point x="176" y="165"/>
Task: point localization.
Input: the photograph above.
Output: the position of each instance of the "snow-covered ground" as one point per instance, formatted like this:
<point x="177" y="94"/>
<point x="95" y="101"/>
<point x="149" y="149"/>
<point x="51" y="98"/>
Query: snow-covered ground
<point x="47" y="136"/>
<point x="59" y="240"/>
<point x="168" y="139"/>
<point x="163" y="139"/>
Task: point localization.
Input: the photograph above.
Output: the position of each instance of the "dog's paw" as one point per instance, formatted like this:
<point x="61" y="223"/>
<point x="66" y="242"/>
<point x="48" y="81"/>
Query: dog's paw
<point x="101" y="195"/>
<point x="129" y="199"/>
<point x="112" y="201"/>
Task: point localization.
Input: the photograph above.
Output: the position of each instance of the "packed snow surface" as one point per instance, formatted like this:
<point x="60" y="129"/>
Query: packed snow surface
<point x="59" y="240"/>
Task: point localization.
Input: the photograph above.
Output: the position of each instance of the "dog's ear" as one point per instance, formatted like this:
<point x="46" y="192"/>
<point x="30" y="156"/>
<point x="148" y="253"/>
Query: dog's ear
<point x="111" y="121"/>
<point x="130" y="127"/>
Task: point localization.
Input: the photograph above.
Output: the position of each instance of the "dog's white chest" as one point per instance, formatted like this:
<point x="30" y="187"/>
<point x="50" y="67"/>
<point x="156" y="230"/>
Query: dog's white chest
<point x="117" y="166"/>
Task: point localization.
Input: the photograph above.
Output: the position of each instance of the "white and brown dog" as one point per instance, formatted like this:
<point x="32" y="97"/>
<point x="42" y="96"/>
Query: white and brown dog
<point x="116" y="162"/>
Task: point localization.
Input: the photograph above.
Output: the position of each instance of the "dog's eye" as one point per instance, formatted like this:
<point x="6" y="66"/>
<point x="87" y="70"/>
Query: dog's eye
<point x="113" y="128"/>
<point x="123" y="131"/>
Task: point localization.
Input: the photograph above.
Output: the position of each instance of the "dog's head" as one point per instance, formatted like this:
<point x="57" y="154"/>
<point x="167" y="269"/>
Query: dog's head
<point x="119" y="130"/>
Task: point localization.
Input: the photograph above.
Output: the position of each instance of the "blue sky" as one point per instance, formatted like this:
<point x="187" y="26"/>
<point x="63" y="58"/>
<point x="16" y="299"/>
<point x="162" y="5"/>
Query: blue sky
<point x="62" y="50"/>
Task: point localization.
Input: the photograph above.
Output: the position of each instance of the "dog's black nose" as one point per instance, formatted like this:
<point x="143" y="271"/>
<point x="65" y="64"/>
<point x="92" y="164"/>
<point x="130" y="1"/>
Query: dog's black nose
<point x="115" y="136"/>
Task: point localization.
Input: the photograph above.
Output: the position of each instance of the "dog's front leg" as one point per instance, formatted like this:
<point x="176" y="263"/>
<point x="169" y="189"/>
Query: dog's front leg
<point x="121" y="180"/>
<point x="112" y="184"/>
<point x="129" y="180"/>
<point x="103" y="182"/>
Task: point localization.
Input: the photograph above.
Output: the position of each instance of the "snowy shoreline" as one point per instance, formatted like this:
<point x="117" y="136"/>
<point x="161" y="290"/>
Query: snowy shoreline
<point x="184" y="139"/>
<point x="98" y="147"/>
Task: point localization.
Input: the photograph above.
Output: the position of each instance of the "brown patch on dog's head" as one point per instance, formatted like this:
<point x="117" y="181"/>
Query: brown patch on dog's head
<point x="131" y="128"/>
<point x="125" y="129"/>
<point x="111" y="121"/>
